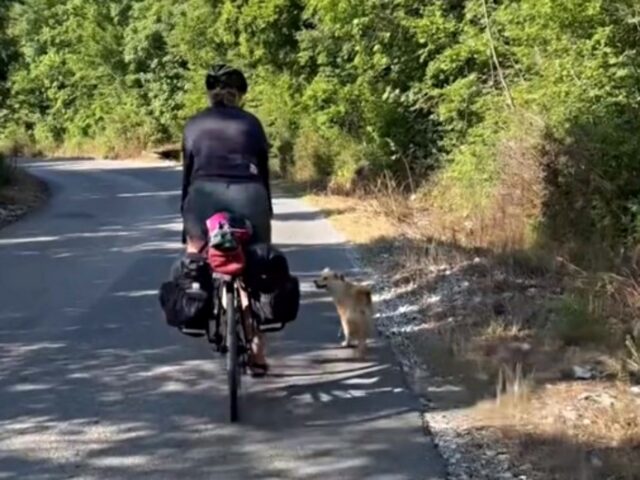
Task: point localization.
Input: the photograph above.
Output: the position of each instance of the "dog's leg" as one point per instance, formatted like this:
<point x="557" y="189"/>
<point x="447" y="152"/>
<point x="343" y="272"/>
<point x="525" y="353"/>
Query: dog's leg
<point x="360" y="335"/>
<point x="346" y="343"/>
<point x="362" y="348"/>
<point x="346" y="330"/>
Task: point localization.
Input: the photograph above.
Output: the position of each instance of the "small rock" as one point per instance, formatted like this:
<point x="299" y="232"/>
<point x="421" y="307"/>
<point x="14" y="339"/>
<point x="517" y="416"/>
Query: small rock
<point x="505" y="476"/>
<point x="531" y="291"/>
<point x="595" y="460"/>
<point x="635" y="390"/>
<point x="582" y="373"/>
<point x="499" y="308"/>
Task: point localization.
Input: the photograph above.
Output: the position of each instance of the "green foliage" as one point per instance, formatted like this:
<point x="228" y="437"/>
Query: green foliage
<point x="572" y="66"/>
<point x="7" y="55"/>
<point x="313" y="157"/>
<point x="402" y="87"/>
<point x="273" y="99"/>
<point x="578" y="322"/>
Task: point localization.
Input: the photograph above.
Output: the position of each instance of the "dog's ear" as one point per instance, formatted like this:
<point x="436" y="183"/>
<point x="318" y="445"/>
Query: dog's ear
<point x="341" y="277"/>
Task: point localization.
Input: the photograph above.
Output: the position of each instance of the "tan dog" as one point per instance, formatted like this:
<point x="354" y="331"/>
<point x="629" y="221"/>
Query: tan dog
<point x="354" y="306"/>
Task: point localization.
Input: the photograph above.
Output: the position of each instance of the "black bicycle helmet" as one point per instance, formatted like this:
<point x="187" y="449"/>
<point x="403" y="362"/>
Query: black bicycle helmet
<point x="226" y="76"/>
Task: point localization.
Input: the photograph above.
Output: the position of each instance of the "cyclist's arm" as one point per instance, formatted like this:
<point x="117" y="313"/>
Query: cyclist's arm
<point x="263" y="163"/>
<point x="263" y="169"/>
<point x="187" y="168"/>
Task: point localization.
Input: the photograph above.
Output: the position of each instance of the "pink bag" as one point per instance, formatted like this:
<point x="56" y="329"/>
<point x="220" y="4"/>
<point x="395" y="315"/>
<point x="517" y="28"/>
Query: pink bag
<point x="227" y="235"/>
<point x="241" y="228"/>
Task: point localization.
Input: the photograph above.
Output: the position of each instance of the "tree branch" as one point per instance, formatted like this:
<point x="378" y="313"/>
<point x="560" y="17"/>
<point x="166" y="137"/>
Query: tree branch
<point x="494" y="56"/>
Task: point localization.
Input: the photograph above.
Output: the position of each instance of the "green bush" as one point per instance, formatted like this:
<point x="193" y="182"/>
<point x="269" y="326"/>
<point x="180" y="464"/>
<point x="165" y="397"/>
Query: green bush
<point x="313" y="156"/>
<point x="273" y="98"/>
<point x="423" y="91"/>
<point x="15" y="140"/>
<point x="578" y="322"/>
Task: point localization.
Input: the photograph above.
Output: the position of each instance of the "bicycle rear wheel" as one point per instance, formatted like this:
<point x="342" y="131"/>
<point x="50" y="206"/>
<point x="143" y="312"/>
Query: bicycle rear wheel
<point x="233" y="369"/>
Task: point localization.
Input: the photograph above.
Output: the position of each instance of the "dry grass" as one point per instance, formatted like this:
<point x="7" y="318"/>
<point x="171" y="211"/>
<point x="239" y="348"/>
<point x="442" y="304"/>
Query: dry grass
<point x="525" y="319"/>
<point x="569" y="430"/>
<point x="499" y="215"/>
<point x="518" y="333"/>
<point x="353" y="217"/>
<point x="97" y="149"/>
<point x="19" y="146"/>
<point x="23" y="146"/>
<point x="632" y="359"/>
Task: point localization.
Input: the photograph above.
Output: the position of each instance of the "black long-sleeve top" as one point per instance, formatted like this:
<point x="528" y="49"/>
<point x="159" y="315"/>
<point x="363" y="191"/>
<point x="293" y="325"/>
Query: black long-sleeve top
<point x="225" y="143"/>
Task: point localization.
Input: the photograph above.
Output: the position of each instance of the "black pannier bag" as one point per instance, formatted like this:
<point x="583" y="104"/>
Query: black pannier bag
<point x="274" y="293"/>
<point x="187" y="299"/>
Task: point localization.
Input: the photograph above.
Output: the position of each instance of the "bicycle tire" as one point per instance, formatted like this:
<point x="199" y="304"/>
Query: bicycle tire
<point x="233" y="369"/>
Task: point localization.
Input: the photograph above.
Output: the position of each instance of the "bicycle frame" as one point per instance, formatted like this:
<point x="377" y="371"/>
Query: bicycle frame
<point x="231" y="336"/>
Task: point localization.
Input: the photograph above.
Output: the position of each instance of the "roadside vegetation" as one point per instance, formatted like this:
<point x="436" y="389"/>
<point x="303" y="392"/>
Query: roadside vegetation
<point x="487" y="112"/>
<point x="6" y="171"/>
<point x="489" y="141"/>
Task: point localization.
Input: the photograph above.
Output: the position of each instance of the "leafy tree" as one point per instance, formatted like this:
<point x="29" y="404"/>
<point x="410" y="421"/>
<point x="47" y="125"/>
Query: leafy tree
<point x="428" y="91"/>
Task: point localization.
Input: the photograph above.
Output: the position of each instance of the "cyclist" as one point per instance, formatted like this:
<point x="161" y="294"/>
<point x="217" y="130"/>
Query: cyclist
<point x="225" y="154"/>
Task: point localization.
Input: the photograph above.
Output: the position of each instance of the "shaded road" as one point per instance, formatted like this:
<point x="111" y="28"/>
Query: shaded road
<point x="93" y="385"/>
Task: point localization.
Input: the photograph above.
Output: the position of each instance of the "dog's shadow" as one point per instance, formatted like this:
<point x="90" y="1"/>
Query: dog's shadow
<point x="329" y="361"/>
<point x="348" y="355"/>
<point x="315" y="373"/>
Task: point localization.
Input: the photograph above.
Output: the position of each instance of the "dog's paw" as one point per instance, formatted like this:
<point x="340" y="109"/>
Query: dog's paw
<point x="347" y="344"/>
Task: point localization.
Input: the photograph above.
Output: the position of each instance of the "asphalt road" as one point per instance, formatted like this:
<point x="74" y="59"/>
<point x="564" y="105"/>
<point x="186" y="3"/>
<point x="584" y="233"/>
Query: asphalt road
<point x="94" y="385"/>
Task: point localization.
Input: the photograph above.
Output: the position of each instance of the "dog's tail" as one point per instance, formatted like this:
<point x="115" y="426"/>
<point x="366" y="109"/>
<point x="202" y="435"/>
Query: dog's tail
<point x="366" y="306"/>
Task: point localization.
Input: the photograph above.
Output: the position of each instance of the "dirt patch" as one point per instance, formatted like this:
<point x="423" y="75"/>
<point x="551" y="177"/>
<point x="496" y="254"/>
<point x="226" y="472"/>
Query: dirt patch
<point x="23" y="194"/>
<point x="481" y="329"/>
<point x="355" y="218"/>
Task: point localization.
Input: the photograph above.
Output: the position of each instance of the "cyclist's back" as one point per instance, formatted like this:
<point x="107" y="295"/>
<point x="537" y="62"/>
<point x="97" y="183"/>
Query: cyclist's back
<point x="225" y="154"/>
<point x="225" y="142"/>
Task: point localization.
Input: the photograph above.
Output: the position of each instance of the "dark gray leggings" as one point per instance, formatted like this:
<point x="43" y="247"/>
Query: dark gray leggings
<point x="249" y="200"/>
